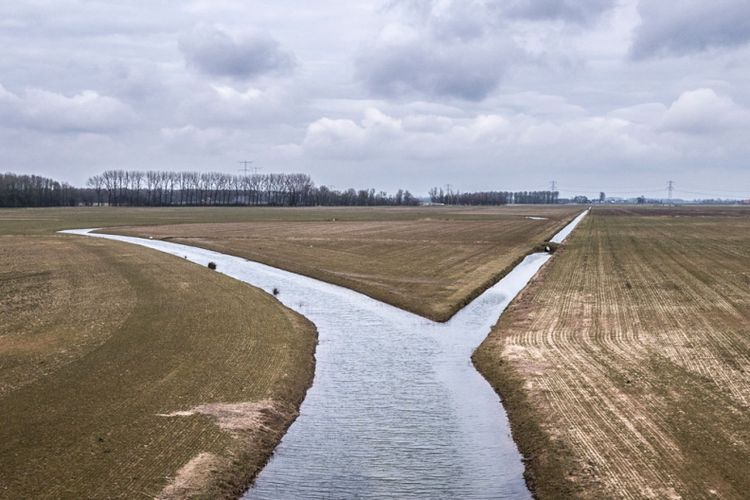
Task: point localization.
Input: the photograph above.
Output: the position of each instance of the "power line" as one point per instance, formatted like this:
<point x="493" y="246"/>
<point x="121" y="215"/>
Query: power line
<point x="609" y="191"/>
<point x="674" y="190"/>
<point x="245" y="168"/>
<point x="745" y="191"/>
<point x="715" y="195"/>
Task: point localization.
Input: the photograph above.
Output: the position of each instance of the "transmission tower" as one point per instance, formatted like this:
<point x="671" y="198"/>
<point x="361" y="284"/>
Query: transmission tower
<point x="245" y="168"/>
<point x="553" y="186"/>
<point x="670" y="190"/>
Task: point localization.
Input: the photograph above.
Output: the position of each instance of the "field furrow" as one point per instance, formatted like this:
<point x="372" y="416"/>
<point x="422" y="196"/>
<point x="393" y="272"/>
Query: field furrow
<point x="631" y="352"/>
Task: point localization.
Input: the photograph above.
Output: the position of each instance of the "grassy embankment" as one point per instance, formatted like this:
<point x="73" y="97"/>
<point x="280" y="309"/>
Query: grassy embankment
<point x="103" y="338"/>
<point x="101" y="342"/>
<point x="625" y="365"/>
<point x="431" y="261"/>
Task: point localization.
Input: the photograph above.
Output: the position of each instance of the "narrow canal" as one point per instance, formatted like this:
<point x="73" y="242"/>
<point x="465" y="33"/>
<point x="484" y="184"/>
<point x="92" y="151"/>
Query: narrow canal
<point x="396" y="409"/>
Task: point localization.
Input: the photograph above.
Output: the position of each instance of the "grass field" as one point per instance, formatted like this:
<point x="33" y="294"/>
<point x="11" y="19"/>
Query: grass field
<point x="625" y="365"/>
<point x="49" y="220"/>
<point x="128" y="373"/>
<point x="431" y="261"/>
<point x="124" y="372"/>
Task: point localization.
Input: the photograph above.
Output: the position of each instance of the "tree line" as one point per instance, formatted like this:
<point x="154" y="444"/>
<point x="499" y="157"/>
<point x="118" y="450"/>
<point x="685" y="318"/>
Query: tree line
<point x="450" y="197"/>
<point x="35" y="191"/>
<point x="163" y="188"/>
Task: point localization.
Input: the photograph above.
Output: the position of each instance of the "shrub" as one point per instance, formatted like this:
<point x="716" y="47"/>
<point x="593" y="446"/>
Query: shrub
<point x="547" y="247"/>
<point x="275" y="291"/>
<point x="212" y="266"/>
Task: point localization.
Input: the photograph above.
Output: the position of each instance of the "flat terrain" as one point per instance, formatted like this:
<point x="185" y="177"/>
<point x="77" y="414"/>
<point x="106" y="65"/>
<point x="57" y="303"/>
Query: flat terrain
<point x="126" y="372"/>
<point x="129" y="373"/>
<point x="49" y="220"/>
<point x="625" y="366"/>
<point x="431" y="261"/>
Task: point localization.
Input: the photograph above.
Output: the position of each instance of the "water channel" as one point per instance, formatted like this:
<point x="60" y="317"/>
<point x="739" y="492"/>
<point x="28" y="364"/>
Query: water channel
<point x="396" y="409"/>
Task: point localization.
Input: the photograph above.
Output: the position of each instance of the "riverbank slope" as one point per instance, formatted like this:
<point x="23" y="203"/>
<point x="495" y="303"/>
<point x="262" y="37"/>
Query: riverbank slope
<point x="125" y="372"/>
<point x="431" y="261"/>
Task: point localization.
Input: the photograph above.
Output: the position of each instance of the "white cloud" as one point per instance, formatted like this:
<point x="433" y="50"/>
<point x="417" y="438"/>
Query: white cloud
<point x="226" y="106"/>
<point x="379" y="135"/>
<point x="702" y="111"/>
<point x="335" y="138"/>
<point x="87" y="112"/>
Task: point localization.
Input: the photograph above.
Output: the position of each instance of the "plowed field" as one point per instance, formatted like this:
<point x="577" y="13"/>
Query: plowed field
<point x="625" y="366"/>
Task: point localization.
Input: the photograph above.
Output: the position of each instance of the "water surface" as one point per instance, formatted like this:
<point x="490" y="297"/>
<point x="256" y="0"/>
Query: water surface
<point x="396" y="409"/>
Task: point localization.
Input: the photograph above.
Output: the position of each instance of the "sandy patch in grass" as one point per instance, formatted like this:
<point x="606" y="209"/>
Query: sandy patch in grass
<point x="192" y="477"/>
<point x="234" y="417"/>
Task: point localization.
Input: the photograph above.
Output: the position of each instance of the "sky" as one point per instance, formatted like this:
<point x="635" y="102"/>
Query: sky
<point x="613" y="95"/>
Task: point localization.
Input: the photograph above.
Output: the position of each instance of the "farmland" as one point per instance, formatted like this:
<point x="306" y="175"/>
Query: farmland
<point x="625" y="365"/>
<point x="126" y="372"/>
<point x="431" y="261"/>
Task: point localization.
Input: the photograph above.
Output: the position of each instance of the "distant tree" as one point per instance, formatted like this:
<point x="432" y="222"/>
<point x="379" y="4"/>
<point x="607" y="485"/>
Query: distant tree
<point x="164" y="188"/>
<point x="96" y="183"/>
<point x="602" y="197"/>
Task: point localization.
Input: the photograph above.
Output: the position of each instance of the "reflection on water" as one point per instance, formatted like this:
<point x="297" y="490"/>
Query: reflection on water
<point x="559" y="237"/>
<point x="396" y="409"/>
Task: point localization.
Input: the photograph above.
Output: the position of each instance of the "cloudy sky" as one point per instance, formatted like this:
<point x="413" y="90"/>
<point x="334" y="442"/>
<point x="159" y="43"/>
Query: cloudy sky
<point x="619" y="95"/>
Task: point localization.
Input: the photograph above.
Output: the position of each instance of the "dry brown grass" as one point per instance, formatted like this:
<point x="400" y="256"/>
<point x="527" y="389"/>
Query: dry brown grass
<point x="59" y="300"/>
<point x="431" y="261"/>
<point x="99" y="340"/>
<point x="625" y="366"/>
<point x="125" y="372"/>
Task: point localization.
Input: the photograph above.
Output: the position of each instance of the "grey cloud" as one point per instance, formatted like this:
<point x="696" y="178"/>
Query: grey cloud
<point x="573" y="11"/>
<point x="447" y="49"/>
<point x="217" y="53"/>
<point x="690" y="26"/>
<point x="479" y="88"/>
<point x="465" y="20"/>
<point x="461" y="71"/>
<point x="460" y="48"/>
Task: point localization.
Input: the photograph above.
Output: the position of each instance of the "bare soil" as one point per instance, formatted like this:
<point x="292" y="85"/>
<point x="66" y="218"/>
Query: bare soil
<point x="625" y="365"/>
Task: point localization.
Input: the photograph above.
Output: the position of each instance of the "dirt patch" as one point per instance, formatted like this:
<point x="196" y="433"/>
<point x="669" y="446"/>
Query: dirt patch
<point x="192" y="477"/>
<point x="235" y="417"/>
